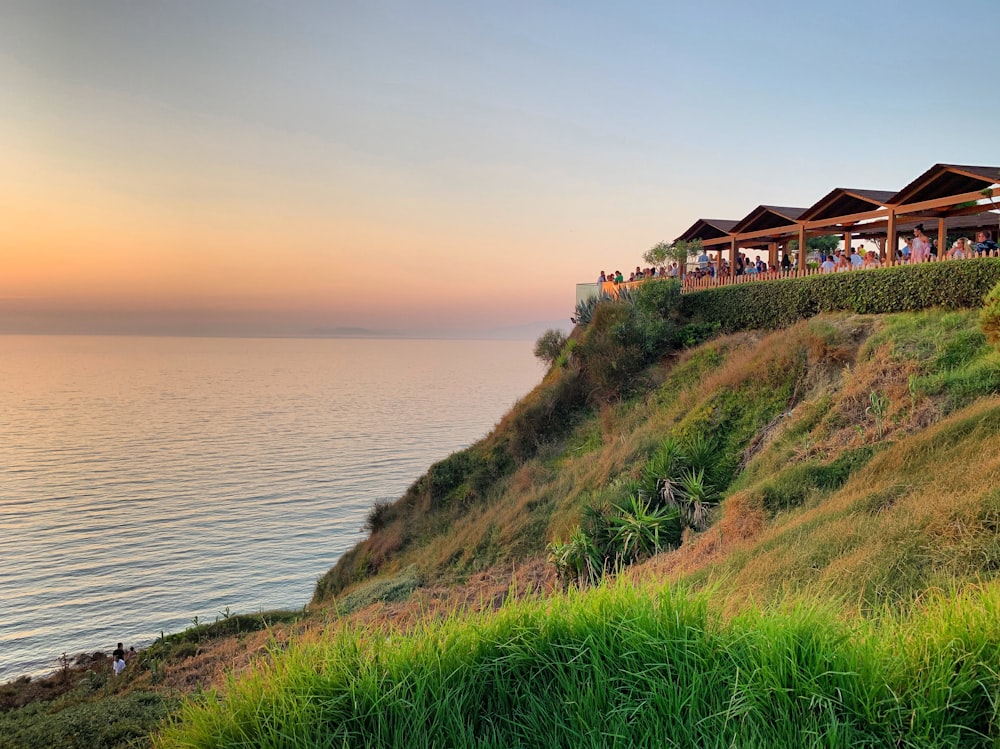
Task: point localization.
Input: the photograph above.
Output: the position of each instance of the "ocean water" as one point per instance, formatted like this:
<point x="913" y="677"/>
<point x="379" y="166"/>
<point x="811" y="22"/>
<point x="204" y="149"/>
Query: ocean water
<point x="147" y="481"/>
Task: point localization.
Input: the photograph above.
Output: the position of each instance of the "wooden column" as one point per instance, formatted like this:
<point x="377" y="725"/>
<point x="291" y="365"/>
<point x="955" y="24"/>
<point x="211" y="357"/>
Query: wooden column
<point x="942" y="240"/>
<point x="802" y="247"/>
<point x="732" y="258"/>
<point x="888" y="255"/>
<point x="772" y="255"/>
<point x="847" y="242"/>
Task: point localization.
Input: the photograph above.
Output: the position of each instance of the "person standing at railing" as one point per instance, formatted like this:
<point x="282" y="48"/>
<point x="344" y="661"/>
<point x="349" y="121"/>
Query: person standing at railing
<point x="857" y="258"/>
<point x="703" y="261"/>
<point x="984" y="245"/>
<point x="602" y="278"/>
<point x="920" y="250"/>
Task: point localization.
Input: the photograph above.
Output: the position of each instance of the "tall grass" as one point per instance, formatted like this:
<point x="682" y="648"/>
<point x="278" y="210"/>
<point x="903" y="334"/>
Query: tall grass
<point x="621" y="666"/>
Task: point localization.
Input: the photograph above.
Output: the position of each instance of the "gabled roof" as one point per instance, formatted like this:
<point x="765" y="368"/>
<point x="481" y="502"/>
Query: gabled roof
<point x="707" y="228"/>
<point x="767" y="217"/>
<point x="845" y="201"/>
<point x="942" y="180"/>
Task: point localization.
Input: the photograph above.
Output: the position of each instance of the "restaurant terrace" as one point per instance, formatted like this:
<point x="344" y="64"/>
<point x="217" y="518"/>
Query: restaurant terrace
<point x="947" y="199"/>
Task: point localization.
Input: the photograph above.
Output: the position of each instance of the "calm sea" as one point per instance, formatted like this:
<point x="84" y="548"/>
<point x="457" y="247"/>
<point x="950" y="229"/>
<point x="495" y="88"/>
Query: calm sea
<point x="146" y="481"/>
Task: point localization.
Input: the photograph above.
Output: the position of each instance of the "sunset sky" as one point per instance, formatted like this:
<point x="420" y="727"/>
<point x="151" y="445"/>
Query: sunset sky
<point x="259" y="167"/>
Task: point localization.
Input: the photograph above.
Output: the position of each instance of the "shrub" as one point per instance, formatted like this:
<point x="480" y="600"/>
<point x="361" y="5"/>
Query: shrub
<point x="641" y="530"/>
<point x="989" y="319"/>
<point x="549" y="345"/>
<point x="396" y="588"/>
<point x="778" y="303"/>
<point x="378" y="516"/>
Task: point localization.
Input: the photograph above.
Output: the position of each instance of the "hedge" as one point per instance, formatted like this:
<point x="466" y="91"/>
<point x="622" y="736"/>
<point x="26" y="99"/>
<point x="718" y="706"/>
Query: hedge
<point x="904" y="288"/>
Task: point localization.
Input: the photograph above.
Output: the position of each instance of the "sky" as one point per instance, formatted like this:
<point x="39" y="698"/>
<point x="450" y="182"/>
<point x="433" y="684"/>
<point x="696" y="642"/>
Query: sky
<point x="438" y="168"/>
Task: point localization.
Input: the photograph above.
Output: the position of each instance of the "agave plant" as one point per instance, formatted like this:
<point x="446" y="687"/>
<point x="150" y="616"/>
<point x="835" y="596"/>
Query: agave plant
<point x="585" y="310"/>
<point x="702" y="454"/>
<point x="695" y="498"/>
<point x="577" y="560"/>
<point x="641" y="530"/>
<point x="658" y="474"/>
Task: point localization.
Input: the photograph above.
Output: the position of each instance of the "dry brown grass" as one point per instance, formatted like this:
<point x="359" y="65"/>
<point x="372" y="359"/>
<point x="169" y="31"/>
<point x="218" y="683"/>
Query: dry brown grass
<point x="738" y="525"/>
<point x="915" y="517"/>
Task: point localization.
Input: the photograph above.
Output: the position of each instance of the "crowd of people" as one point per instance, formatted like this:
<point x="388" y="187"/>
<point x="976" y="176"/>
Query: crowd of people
<point x="917" y="248"/>
<point x="640" y="274"/>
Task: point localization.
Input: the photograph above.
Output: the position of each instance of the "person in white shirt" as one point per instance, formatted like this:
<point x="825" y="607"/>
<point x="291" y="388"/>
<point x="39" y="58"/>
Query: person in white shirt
<point x="858" y="257"/>
<point x="828" y="265"/>
<point x="119" y="665"/>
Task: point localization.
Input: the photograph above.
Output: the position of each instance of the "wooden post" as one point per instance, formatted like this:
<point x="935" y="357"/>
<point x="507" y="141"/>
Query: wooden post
<point x="802" y="247"/>
<point x="772" y="255"/>
<point x="888" y="256"/>
<point x="732" y="258"/>
<point x="942" y="240"/>
<point x="847" y="242"/>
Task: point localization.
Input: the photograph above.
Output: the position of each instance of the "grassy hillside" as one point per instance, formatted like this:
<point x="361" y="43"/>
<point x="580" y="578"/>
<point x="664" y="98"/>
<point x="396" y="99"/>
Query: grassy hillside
<point x="764" y="538"/>
<point x="875" y="422"/>
<point x="841" y="591"/>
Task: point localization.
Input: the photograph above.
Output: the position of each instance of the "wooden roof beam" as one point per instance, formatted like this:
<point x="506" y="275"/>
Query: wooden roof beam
<point x="927" y="205"/>
<point x="852" y="218"/>
<point x="778" y="231"/>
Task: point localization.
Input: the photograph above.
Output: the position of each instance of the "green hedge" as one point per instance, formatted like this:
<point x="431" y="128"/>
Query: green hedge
<point x="905" y="288"/>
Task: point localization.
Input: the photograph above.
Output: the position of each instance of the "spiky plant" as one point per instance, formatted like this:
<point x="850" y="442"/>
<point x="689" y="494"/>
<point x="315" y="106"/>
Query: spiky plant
<point x="696" y="498"/>
<point x="585" y="310"/>
<point x="641" y="530"/>
<point x="660" y="471"/>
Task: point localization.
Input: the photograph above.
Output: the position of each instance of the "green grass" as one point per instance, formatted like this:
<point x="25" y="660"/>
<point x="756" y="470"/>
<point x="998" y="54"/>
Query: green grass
<point x="953" y="357"/>
<point x="624" y="667"/>
<point x="395" y="588"/>
<point x="78" y="720"/>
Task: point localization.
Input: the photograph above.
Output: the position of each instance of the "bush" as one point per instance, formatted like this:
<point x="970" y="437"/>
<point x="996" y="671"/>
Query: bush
<point x="378" y="516"/>
<point x="396" y="588"/>
<point x="779" y="303"/>
<point x="989" y="319"/>
<point x="549" y="345"/>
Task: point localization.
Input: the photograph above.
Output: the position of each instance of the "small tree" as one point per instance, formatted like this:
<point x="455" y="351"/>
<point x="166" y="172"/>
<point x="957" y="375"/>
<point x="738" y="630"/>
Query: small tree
<point x="825" y="244"/>
<point x="678" y="251"/>
<point x="549" y="345"/>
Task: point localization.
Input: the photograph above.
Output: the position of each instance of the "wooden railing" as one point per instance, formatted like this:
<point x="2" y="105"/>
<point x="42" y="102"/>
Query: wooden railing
<point x="711" y="282"/>
<point x="690" y="283"/>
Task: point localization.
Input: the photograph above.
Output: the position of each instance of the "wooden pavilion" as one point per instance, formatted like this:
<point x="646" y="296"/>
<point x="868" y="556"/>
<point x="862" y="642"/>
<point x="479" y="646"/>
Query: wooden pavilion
<point x="945" y="196"/>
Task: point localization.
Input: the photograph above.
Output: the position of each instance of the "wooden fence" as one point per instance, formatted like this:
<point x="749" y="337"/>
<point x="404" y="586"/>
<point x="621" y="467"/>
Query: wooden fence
<point x="691" y="283"/>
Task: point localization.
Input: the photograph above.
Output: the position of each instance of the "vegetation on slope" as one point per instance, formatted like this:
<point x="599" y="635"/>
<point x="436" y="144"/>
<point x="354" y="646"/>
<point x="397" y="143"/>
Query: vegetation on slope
<point x="626" y="667"/>
<point x="850" y="463"/>
<point x="849" y="583"/>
